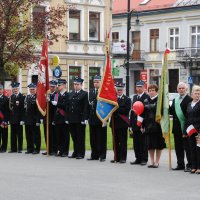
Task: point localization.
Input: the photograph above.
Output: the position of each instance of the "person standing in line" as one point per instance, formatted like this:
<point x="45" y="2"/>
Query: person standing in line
<point x="32" y="121"/>
<point x="155" y="140"/>
<point x="193" y="125"/>
<point x="178" y="110"/>
<point x="139" y="136"/>
<point x="120" y="123"/>
<point x="52" y="130"/>
<point x="77" y="117"/>
<point x="4" y="114"/>
<point x="16" y="117"/>
<point x="98" y="132"/>
<point x="60" y="102"/>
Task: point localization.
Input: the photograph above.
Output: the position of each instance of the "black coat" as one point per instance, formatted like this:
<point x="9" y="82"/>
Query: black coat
<point x="150" y="125"/>
<point x="193" y="115"/>
<point x="4" y="109"/>
<point x="16" y="106"/>
<point x="133" y="119"/>
<point x="122" y="112"/>
<point x="31" y="112"/>
<point x="176" y="122"/>
<point x="77" y="108"/>
<point x="93" y="119"/>
<point x="60" y="113"/>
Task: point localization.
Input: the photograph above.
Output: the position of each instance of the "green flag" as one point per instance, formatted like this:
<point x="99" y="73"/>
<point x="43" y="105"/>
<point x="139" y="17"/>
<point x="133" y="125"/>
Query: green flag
<point x="162" y="110"/>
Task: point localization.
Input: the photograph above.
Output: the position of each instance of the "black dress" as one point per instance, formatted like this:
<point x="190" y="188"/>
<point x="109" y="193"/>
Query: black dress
<point x="153" y="130"/>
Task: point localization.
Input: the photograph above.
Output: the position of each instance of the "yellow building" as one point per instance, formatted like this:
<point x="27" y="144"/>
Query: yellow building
<point x="83" y="53"/>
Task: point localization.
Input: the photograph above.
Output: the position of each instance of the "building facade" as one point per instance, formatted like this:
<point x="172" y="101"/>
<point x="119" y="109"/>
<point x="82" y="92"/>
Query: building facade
<point x="175" y="24"/>
<point x="82" y="54"/>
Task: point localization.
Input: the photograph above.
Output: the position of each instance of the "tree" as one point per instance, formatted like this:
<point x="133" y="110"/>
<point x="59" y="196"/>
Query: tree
<point x="23" y="25"/>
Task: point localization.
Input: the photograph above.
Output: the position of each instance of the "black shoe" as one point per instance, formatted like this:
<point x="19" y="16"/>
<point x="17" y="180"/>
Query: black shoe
<point x="72" y="156"/>
<point x="35" y="152"/>
<point x="19" y="151"/>
<point x="143" y="163"/>
<point x="122" y="161"/>
<point x="89" y="159"/>
<point x="136" y="162"/>
<point x="44" y="153"/>
<point x="12" y="151"/>
<point x="28" y="152"/>
<point x="52" y="154"/>
<point x="178" y="168"/>
<point x="192" y="171"/>
<point x="63" y="155"/>
<point x="150" y="166"/>
<point x="114" y="161"/>
<point x="187" y="169"/>
<point x="3" y="151"/>
<point x="79" y="157"/>
<point x="102" y="159"/>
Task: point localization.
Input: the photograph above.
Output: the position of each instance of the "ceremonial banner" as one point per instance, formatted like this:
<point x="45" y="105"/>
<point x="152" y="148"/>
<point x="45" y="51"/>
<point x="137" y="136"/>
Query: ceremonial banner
<point x="107" y="98"/>
<point x="43" y="79"/>
<point x="162" y="110"/>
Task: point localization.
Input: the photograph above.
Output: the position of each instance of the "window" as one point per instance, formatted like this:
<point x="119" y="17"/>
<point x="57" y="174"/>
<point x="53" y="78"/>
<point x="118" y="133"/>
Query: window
<point x="92" y="72"/>
<point x="174" y="38"/>
<point x="74" y="25"/>
<point x="115" y="36"/>
<point x="94" y="26"/>
<point x="154" y="40"/>
<point x="39" y="18"/>
<point x="73" y="72"/>
<point x="136" y="40"/>
<point x="195" y="40"/>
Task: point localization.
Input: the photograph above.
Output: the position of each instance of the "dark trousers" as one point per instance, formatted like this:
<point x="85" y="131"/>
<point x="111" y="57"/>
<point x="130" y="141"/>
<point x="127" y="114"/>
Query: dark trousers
<point x="62" y="138"/>
<point x="182" y="147"/>
<point x="98" y="141"/>
<point x="16" y="137"/>
<point x="3" y="139"/>
<point x="30" y="136"/>
<point x="195" y="152"/>
<point x="52" y="138"/>
<point x="78" y="136"/>
<point x="140" y="146"/>
<point x="37" y="139"/>
<point x="120" y="142"/>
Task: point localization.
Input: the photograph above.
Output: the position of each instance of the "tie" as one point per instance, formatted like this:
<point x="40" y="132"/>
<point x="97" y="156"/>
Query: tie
<point x="96" y="91"/>
<point x="138" y="97"/>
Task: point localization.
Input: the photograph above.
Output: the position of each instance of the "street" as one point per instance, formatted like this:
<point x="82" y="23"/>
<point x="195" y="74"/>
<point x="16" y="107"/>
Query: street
<point x="30" y="177"/>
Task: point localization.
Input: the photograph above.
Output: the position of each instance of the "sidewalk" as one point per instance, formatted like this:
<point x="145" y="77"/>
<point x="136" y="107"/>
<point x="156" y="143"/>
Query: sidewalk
<point x="38" y="177"/>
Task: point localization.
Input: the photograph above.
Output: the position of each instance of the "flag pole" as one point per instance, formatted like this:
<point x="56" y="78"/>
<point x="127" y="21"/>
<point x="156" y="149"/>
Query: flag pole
<point x="47" y="128"/>
<point x="169" y="143"/>
<point x="113" y="138"/>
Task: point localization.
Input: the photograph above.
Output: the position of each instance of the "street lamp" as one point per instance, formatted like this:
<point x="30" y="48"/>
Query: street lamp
<point x="136" y="25"/>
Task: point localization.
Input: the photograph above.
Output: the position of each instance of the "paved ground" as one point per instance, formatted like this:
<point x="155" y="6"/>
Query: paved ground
<point x="29" y="177"/>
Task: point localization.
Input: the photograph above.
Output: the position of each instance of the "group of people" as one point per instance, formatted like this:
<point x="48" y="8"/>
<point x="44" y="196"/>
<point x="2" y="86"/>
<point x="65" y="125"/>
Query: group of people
<point x="70" y="112"/>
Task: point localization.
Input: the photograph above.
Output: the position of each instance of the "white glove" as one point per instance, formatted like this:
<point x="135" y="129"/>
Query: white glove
<point x="48" y="98"/>
<point x="21" y="123"/>
<point x="53" y="123"/>
<point x="131" y="130"/>
<point x="41" y="121"/>
<point x="86" y="121"/>
<point x="66" y="122"/>
<point x="104" y="124"/>
<point x="83" y="122"/>
<point x="37" y="124"/>
<point x="8" y="122"/>
<point x="54" y="103"/>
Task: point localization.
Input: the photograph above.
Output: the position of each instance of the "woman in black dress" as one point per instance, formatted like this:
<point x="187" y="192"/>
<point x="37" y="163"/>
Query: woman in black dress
<point x="193" y="127"/>
<point x="155" y="140"/>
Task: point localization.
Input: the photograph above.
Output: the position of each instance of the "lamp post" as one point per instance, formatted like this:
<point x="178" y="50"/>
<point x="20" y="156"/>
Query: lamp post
<point x="127" y="48"/>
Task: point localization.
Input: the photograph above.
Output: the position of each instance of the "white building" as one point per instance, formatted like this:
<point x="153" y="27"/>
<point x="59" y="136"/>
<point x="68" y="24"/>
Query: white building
<point x="172" y="23"/>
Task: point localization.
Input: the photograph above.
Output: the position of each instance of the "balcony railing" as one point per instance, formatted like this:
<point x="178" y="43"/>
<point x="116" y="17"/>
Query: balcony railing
<point x="138" y="55"/>
<point x="185" y="54"/>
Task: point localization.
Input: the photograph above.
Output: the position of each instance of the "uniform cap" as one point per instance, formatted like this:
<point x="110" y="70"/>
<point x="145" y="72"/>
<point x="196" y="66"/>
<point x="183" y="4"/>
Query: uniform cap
<point x="15" y="85"/>
<point x="52" y="83"/>
<point x="78" y="80"/>
<point x="119" y="86"/>
<point x="139" y="83"/>
<point x="31" y="86"/>
<point x="97" y="78"/>
<point x="61" y="81"/>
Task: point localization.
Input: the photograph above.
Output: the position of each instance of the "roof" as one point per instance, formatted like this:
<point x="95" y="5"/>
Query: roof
<point x="120" y="6"/>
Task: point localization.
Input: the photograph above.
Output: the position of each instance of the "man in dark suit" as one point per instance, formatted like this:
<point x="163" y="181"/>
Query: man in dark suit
<point x="62" y="129"/>
<point x="32" y="121"/>
<point x="178" y="110"/>
<point x="119" y="124"/>
<point x="16" y="106"/>
<point x="139" y="136"/>
<point x="77" y="117"/>
<point x="52" y="130"/>
<point x="98" y="132"/>
<point x="4" y="111"/>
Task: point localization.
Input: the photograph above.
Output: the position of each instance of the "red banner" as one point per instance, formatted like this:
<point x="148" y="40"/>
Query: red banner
<point x="143" y="77"/>
<point x="43" y="79"/>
